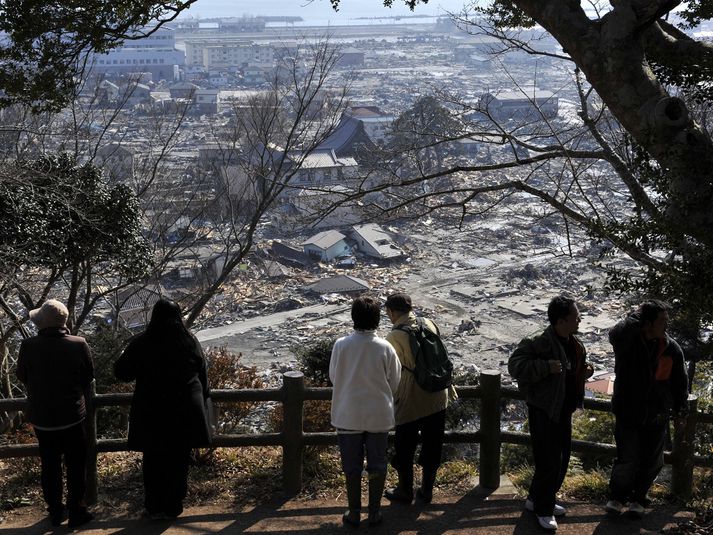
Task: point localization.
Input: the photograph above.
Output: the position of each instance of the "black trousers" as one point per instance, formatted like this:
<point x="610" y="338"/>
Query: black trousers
<point x="166" y="480"/>
<point x="551" y="448"/>
<point x="639" y="459"/>
<point x="431" y="429"/>
<point x="70" y="444"/>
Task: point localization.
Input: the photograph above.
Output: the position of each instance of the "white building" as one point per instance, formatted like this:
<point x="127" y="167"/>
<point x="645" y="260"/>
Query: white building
<point x="211" y="54"/>
<point x="327" y="245"/>
<point x="156" y="54"/>
<point x="373" y="241"/>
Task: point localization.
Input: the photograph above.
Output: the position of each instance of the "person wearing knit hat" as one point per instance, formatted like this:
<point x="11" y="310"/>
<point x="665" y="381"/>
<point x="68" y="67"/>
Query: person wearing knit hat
<point x="57" y="370"/>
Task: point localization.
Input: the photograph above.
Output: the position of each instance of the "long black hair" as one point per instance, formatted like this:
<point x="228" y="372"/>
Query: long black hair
<point x="166" y="323"/>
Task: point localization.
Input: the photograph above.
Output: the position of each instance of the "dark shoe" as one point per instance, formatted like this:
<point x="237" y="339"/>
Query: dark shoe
<point x="636" y="509"/>
<point x="173" y="512"/>
<point x="428" y="479"/>
<point x="57" y="517"/>
<point x="398" y="494"/>
<point x="614" y="507"/>
<point x="79" y="518"/>
<point x="375" y="519"/>
<point x="351" y="518"/>
<point x="424" y="497"/>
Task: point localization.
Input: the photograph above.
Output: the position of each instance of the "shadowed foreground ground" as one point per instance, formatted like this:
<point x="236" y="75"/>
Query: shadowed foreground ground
<point x="472" y="513"/>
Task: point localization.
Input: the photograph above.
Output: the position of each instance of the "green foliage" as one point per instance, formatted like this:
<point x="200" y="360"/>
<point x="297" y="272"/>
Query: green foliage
<point x="313" y="359"/>
<point x="423" y="125"/>
<point x="463" y="413"/>
<point x="56" y="214"/>
<point x="226" y="372"/>
<point x="107" y="344"/>
<point x="45" y="44"/>
<point x="587" y="485"/>
<point x="504" y="14"/>
<point x="703" y="388"/>
<point x="593" y="426"/>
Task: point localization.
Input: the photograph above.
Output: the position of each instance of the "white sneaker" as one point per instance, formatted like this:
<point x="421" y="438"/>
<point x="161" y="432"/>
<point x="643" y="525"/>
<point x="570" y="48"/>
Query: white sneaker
<point x="547" y="522"/>
<point x="559" y="510"/>
<point x="636" y="509"/>
<point x="614" y="507"/>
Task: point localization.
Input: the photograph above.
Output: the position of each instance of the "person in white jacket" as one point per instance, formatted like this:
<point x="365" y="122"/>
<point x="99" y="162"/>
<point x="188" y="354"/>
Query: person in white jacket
<point x="365" y="372"/>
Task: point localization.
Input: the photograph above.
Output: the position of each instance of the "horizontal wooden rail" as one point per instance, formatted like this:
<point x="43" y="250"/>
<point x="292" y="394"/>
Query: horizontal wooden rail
<point x="292" y="439"/>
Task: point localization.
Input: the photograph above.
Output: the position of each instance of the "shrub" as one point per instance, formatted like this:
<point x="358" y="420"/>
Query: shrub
<point x="226" y="372"/>
<point x="313" y="359"/>
<point x="463" y="413"/>
<point x="593" y="426"/>
<point x="106" y="344"/>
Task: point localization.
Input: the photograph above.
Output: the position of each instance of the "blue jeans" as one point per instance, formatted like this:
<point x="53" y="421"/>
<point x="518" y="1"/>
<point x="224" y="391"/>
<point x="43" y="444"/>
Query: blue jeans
<point x="352" y="446"/>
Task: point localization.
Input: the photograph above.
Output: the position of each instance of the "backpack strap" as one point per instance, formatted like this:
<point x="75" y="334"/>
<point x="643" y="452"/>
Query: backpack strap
<point x="408" y="330"/>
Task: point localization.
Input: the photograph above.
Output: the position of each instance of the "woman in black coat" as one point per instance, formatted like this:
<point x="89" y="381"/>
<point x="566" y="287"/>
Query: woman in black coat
<point x="168" y="412"/>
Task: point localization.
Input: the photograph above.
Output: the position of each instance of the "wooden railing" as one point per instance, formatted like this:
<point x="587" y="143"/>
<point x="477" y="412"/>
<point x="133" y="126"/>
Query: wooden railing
<point x="293" y="439"/>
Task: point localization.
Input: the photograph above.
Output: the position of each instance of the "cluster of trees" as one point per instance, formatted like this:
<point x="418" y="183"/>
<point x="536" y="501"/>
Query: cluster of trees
<point x="643" y="132"/>
<point x="67" y="226"/>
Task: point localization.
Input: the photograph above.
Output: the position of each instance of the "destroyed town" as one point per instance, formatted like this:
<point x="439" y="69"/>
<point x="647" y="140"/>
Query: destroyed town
<point x="188" y="118"/>
<point x="264" y="167"/>
<point x="486" y="277"/>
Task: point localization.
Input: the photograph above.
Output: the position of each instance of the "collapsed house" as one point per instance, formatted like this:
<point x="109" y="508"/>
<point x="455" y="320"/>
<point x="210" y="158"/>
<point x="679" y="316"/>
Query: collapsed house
<point x="372" y="240"/>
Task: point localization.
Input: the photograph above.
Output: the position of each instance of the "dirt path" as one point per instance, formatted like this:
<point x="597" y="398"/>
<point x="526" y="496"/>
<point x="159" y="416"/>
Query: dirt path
<point x="471" y="514"/>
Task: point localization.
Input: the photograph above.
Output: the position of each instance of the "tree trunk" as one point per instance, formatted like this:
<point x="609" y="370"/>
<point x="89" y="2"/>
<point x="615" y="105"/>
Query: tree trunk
<point x="611" y="54"/>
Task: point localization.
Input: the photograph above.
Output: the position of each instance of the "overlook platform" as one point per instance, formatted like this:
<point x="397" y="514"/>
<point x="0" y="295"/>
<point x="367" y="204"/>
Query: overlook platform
<point x="474" y="513"/>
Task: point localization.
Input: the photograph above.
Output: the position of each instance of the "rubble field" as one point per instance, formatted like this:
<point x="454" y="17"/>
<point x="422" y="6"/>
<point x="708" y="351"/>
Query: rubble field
<point x="486" y="286"/>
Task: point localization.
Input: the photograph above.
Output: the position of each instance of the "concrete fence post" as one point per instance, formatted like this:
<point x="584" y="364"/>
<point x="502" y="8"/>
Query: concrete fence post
<point x="292" y="431"/>
<point x="489" y="468"/>
<point x="683" y="451"/>
<point x="91" y="431"/>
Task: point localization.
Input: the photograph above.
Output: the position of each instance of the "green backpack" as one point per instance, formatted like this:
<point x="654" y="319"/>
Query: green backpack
<point x="434" y="370"/>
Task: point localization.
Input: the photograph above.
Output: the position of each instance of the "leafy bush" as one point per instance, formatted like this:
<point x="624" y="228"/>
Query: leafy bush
<point x="313" y="359"/>
<point x="463" y="413"/>
<point x="593" y="426"/>
<point x="703" y="388"/>
<point x="107" y="344"/>
<point x="226" y="372"/>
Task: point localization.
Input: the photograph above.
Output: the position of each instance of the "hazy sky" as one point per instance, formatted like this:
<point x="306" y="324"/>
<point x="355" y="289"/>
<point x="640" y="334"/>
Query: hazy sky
<point x="320" y="10"/>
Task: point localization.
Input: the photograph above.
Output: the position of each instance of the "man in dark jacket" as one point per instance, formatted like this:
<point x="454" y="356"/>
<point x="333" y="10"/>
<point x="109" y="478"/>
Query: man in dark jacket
<point x="551" y="369"/>
<point x="57" y="371"/>
<point x="650" y="385"/>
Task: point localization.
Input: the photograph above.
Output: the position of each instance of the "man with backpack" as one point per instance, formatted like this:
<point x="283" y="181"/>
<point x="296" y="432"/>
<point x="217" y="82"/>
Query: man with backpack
<point x="421" y="399"/>
<point x="550" y="370"/>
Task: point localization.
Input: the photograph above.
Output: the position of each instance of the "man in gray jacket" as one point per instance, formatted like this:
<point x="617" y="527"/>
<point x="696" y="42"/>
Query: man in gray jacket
<point x="551" y="369"/>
